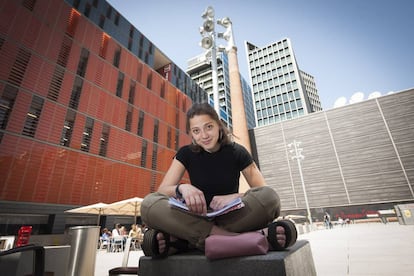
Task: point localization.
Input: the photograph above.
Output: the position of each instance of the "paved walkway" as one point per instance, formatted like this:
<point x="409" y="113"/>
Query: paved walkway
<point x="363" y="249"/>
<point x="358" y="250"/>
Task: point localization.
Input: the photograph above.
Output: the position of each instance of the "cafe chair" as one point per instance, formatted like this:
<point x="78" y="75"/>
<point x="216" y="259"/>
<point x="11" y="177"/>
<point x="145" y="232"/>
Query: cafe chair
<point x="124" y="269"/>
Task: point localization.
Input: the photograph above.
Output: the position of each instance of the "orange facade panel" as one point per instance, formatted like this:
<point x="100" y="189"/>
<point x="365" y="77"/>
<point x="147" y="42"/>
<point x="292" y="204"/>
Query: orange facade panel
<point x="32" y="30"/>
<point x="7" y="158"/>
<point x="43" y="179"/>
<point x="46" y="121"/>
<point x="19" y="112"/>
<point x="78" y="130"/>
<point x="66" y="89"/>
<point x="96" y="135"/>
<point x="31" y="172"/>
<point x="32" y="73"/>
<point x="18" y="25"/>
<point x="73" y="60"/>
<point x="7" y="56"/>
<point x="8" y="14"/>
<point x="44" y="77"/>
<point x="63" y="173"/>
<point x="55" y="130"/>
<point x="84" y="97"/>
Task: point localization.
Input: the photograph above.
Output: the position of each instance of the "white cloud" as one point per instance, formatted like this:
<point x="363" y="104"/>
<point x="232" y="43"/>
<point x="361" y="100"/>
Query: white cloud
<point x="375" y="94"/>
<point x="341" y="101"/>
<point x="356" y="97"/>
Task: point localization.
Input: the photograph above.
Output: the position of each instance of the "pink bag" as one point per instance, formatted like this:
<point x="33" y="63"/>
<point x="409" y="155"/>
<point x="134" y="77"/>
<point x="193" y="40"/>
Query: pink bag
<point x="245" y="244"/>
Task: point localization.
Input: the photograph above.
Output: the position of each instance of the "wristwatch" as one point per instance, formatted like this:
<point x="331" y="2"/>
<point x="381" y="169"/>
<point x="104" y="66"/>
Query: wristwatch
<point x="178" y="194"/>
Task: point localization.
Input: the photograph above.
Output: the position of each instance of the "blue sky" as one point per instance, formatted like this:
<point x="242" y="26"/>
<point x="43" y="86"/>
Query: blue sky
<point x="349" y="46"/>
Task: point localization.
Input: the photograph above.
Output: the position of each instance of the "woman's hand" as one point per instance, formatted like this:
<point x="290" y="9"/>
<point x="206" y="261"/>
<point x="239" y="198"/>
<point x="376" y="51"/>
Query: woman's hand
<point x="220" y="201"/>
<point x="194" y="199"/>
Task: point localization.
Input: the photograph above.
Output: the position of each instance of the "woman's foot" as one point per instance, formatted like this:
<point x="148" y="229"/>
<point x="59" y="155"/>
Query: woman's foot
<point x="158" y="244"/>
<point x="280" y="236"/>
<point x="162" y="244"/>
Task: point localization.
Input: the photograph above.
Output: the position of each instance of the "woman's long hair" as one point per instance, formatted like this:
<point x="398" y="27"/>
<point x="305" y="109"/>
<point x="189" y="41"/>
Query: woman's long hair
<point x="206" y="109"/>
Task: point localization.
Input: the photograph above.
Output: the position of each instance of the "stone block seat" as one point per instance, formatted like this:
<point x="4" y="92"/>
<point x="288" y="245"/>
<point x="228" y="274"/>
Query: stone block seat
<point x="295" y="261"/>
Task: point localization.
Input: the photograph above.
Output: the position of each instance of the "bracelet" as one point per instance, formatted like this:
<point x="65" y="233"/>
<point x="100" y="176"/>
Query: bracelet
<point x="178" y="194"/>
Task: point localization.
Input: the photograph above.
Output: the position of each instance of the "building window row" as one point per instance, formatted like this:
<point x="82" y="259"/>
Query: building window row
<point x="281" y="117"/>
<point x="269" y="70"/>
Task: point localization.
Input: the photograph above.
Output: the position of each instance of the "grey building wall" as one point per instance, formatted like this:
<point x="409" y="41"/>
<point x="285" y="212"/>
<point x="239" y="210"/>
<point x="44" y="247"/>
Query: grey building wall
<point x="354" y="155"/>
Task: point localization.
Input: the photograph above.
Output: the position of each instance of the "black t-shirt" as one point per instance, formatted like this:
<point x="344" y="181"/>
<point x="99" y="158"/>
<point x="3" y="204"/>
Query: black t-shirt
<point x="215" y="173"/>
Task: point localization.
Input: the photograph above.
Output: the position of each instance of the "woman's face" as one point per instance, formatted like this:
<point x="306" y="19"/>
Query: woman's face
<point x="205" y="132"/>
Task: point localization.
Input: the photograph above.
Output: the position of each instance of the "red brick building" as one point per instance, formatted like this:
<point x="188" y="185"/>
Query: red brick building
<point x="88" y="111"/>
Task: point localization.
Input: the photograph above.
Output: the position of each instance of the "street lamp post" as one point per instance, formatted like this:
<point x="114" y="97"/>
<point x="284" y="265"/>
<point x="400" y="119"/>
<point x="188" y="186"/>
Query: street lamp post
<point x="297" y="151"/>
<point x="209" y="42"/>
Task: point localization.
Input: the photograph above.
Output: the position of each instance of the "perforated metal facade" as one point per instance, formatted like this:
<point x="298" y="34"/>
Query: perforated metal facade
<point x="358" y="154"/>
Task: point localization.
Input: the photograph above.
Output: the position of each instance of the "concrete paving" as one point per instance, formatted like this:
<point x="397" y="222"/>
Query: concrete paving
<point x="358" y="250"/>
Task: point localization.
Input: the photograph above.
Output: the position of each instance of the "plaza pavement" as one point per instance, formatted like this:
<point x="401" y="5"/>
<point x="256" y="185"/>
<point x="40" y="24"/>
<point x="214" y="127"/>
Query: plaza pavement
<point x="366" y="249"/>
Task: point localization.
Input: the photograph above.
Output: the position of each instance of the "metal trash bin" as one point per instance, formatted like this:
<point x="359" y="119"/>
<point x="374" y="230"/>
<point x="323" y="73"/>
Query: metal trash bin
<point x="84" y="243"/>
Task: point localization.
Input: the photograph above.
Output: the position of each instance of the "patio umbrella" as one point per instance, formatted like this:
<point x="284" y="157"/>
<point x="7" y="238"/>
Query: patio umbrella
<point x="127" y="207"/>
<point x="97" y="208"/>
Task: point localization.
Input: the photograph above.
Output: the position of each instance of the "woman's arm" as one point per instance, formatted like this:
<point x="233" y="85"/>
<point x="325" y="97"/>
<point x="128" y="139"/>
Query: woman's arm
<point x="172" y="178"/>
<point x="194" y="198"/>
<point x="253" y="176"/>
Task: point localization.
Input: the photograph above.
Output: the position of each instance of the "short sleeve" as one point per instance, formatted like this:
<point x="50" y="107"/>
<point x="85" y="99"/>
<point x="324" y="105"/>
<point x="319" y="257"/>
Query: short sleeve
<point x="243" y="156"/>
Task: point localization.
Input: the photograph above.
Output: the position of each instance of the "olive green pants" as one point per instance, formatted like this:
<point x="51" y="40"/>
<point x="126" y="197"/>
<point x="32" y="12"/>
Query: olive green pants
<point x="262" y="206"/>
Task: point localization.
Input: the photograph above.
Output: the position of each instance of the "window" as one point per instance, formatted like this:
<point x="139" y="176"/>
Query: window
<point x="128" y="119"/>
<point x="154" y="158"/>
<point x="29" y="4"/>
<point x="32" y="117"/>
<point x="83" y="62"/>
<point x="117" y="57"/>
<point x="55" y="84"/>
<point x="177" y="139"/>
<point x="140" y="130"/>
<point x="76" y="93"/>
<point x="19" y="67"/>
<point x="120" y="84"/>
<point x="162" y="94"/>
<point x="102" y="21"/>
<point x="68" y="128"/>
<point x="109" y="12"/>
<point x="144" y="154"/>
<point x="64" y="51"/>
<point x="87" y="135"/>
<point x="156" y="128"/>
<point x="103" y="144"/>
<point x="76" y="4"/>
<point x="116" y="20"/>
<point x="87" y="11"/>
<point x="169" y="137"/>
<point x="131" y="31"/>
<point x="149" y="81"/>
<point x="131" y="96"/>
<point x="6" y="104"/>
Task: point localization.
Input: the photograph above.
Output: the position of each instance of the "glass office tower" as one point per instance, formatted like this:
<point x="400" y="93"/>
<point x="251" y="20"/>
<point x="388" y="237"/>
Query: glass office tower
<point x="281" y="91"/>
<point x="199" y="69"/>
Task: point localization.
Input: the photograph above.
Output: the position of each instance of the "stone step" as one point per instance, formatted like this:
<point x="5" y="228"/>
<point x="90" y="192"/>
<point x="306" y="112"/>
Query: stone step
<point x="295" y="261"/>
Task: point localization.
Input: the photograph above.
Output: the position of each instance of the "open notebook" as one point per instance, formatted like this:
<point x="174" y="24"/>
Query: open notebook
<point x="233" y="205"/>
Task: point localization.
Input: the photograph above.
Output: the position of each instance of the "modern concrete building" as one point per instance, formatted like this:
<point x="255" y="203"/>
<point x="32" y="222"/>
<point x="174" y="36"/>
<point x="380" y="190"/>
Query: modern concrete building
<point x="90" y="111"/>
<point x="199" y="69"/>
<point x="281" y="91"/>
<point x="359" y="158"/>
